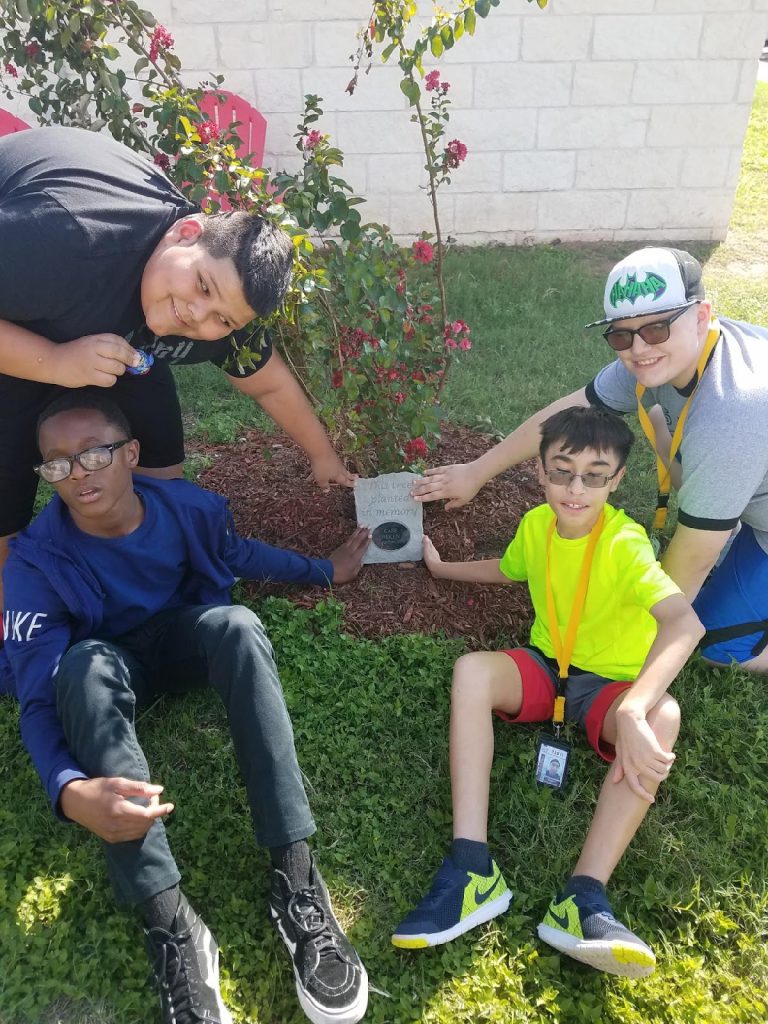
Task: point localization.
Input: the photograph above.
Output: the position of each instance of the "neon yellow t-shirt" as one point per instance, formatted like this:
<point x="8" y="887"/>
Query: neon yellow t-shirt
<point x="616" y="629"/>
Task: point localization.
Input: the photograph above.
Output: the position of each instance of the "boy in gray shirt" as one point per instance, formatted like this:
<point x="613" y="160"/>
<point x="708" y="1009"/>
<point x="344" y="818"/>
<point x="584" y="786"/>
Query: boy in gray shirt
<point x="708" y="376"/>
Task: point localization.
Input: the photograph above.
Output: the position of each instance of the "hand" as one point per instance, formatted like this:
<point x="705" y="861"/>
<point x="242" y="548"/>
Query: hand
<point x="458" y="483"/>
<point x="638" y="752"/>
<point x="431" y="556"/>
<point x="348" y="558"/>
<point x="96" y="359"/>
<point x="329" y="469"/>
<point x="102" y="806"/>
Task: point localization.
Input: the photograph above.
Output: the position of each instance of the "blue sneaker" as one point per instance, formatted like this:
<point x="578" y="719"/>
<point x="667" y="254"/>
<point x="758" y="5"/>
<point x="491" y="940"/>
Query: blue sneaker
<point x="583" y="926"/>
<point x="458" y="900"/>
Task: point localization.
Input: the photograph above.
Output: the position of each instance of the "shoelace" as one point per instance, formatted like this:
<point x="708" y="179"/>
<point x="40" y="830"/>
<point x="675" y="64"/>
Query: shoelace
<point x="169" y="961"/>
<point x="306" y="911"/>
<point x="442" y="884"/>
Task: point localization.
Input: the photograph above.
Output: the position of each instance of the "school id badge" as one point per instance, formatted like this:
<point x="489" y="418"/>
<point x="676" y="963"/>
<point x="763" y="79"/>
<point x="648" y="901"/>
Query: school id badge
<point x="553" y="757"/>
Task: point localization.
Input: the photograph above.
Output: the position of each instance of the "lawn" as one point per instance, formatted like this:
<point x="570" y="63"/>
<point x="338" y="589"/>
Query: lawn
<point x="370" y="721"/>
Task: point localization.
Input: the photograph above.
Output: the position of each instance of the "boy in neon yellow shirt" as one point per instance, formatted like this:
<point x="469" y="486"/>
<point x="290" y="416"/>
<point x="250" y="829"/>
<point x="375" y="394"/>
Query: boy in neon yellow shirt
<point x="620" y="641"/>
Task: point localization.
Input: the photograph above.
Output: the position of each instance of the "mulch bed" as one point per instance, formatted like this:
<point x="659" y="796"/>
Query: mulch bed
<point x="266" y="479"/>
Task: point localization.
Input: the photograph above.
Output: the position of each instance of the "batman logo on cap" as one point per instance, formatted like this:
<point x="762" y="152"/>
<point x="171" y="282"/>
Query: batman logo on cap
<point x="632" y="289"/>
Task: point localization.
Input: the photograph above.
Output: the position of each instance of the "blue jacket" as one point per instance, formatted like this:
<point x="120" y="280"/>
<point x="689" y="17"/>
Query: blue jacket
<point x="53" y="600"/>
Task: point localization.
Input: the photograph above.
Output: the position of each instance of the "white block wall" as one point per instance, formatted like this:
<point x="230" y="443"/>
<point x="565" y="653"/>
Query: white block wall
<point x="592" y="119"/>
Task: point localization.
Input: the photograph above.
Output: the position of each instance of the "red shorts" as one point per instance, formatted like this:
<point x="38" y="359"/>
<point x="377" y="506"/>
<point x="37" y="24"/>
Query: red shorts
<point x="587" y="697"/>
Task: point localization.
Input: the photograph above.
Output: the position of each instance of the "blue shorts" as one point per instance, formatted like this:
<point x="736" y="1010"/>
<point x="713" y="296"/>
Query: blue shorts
<point x="736" y="593"/>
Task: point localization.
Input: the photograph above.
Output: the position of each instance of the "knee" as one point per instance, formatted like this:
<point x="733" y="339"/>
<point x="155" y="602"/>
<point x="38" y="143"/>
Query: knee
<point x="88" y="676"/>
<point x="235" y="625"/>
<point x="471" y="678"/>
<point x="664" y="719"/>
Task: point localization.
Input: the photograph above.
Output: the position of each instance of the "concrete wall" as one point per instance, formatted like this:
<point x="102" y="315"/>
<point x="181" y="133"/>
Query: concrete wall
<point x="592" y="119"/>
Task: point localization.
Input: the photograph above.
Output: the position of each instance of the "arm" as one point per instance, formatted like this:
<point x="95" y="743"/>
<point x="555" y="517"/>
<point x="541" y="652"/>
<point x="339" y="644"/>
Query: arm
<point x="486" y="571"/>
<point x="97" y="359"/>
<point x="279" y="394"/>
<point x="36" y="641"/>
<point x="255" y="560"/>
<point x="460" y="483"/>
<point x="638" y="752"/>
<point x="690" y="556"/>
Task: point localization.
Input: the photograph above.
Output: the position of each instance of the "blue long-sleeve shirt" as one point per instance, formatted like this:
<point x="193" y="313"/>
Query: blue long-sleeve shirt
<point x="63" y="586"/>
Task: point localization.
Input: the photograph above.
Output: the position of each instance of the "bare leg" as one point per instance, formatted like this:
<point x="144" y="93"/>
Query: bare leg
<point x="481" y="682"/>
<point x="619" y="811"/>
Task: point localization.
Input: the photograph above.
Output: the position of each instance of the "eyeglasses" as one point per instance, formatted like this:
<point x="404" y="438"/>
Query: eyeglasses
<point x="91" y="459"/>
<point x="564" y="478"/>
<point x="652" y="334"/>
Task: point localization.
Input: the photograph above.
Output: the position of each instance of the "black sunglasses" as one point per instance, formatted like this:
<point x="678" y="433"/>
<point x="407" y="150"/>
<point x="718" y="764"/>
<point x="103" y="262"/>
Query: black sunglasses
<point x="652" y="334"/>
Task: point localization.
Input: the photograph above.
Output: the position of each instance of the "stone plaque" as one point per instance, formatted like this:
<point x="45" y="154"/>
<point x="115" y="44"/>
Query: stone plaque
<point x="384" y="504"/>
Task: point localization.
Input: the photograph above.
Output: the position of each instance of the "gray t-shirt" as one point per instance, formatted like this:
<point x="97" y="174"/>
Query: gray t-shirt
<point x="724" y="451"/>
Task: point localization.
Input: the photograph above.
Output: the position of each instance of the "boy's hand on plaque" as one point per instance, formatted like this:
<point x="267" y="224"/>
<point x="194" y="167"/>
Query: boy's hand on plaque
<point x="431" y="555"/>
<point x="348" y="557"/>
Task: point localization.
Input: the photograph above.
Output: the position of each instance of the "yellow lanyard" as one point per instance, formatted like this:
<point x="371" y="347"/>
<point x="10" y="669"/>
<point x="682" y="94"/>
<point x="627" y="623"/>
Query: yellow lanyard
<point x="662" y="469"/>
<point x="564" y="648"/>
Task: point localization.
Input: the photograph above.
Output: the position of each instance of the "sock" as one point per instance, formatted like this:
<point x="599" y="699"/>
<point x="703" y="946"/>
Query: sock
<point x="583" y="885"/>
<point x="471" y="856"/>
<point x="295" y="861"/>
<point x="159" y="911"/>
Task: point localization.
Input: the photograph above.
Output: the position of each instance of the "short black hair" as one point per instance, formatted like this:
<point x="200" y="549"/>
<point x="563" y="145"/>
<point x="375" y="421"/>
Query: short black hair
<point x="260" y="250"/>
<point x="579" y="427"/>
<point x="85" y="399"/>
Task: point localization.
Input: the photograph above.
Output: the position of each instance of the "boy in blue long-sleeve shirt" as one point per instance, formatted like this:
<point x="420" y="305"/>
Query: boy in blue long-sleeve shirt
<point x="117" y="592"/>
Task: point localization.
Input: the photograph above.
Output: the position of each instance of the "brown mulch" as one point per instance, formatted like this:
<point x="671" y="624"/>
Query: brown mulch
<point x="266" y="479"/>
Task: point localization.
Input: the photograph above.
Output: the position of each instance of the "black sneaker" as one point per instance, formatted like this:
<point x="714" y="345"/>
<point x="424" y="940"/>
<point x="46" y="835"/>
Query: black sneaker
<point x="186" y="966"/>
<point x="331" y="982"/>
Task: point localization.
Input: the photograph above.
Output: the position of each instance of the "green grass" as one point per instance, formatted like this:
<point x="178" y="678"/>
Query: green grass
<point x="371" y="721"/>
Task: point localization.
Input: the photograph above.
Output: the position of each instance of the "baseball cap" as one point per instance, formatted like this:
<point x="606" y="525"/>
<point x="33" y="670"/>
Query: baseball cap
<point x="651" y="280"/>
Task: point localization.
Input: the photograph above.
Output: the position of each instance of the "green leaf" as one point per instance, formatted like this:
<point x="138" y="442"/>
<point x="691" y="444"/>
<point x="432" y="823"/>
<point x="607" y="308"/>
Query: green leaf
<point x="140" y="64"/>
<point x="411" y="90"/>
<point x="483" y="7"/>
<point x="446" y="34"/>
<point x="470" y="21"/>
<point x="436" y="46"/>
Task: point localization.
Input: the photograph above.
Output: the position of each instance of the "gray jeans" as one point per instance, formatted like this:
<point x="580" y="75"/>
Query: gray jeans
<point x="100" y="685"/>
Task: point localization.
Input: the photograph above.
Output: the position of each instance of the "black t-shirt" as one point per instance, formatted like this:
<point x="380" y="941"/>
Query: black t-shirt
<point x="80" y="215"/>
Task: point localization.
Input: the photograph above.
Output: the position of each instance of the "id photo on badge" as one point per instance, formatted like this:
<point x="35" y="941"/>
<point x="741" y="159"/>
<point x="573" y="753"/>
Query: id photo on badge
<point x="551" y="764"/>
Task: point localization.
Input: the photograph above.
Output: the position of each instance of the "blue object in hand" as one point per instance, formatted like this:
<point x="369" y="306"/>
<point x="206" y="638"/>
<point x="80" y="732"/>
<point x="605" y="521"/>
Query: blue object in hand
<point x="147" y="359"/>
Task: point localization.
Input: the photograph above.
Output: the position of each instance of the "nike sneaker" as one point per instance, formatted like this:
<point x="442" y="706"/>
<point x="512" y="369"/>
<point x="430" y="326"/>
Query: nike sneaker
<point x="331" y="982"/>
<point x="185" y="962"/>
<point x="457" y="901"/>
<point x="583" y="926"/>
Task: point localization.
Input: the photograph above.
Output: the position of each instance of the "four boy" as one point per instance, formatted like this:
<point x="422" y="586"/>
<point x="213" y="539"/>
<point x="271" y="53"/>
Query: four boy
<point x="123" y="579"/>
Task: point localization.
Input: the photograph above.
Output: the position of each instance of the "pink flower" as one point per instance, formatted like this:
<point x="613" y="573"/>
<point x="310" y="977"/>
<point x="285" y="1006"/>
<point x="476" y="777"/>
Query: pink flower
<point x="337" y="379"/>
<point x="207" y="132"/>
<point x="423" y="251"/>
<point x="32" y="48"/>
<point x="459" y="327"/>
<point x="399" y="398"/>
<point x="455" y="153"/>
<point x="465" y="344"/>
<point x="11" y="70"/>
<point x="432" y="81"/>
<point x="162" y="161"/>
<point x="450" y="343"/>
<point x="137" y="108"/>
<point x="444" y="87"/>
<point x="313" y="139"/>
<point x="408" y="331"/>
<point x="161" y="40"/>
<point x="416" y="449"/>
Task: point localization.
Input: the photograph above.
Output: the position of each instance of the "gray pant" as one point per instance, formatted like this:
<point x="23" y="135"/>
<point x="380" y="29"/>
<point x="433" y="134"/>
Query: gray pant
<point x="101" y="684"/>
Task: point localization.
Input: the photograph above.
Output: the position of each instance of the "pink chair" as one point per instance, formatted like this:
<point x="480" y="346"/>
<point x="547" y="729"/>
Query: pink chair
<point x="9" y="123"/>
<point x="252" y="127"/>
